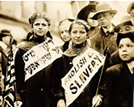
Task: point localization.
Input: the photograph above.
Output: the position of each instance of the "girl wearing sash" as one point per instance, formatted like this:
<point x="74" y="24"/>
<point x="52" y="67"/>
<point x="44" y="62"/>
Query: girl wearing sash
<point x="79" y="44"/>
<point x="34" y="92"/>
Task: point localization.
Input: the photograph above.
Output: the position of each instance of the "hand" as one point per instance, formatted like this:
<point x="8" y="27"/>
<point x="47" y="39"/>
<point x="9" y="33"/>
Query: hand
<point x="1" y="101"/>
<point x="61" y="103"/>
<point x="19" y="103"/>
<point x="97" y="100"/>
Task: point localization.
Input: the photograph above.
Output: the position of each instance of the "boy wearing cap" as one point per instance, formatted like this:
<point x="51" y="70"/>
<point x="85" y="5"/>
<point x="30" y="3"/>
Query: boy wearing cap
<point x="124" y="27"/>
<point x="118" y="83"/>
<point x="106" y="36"/>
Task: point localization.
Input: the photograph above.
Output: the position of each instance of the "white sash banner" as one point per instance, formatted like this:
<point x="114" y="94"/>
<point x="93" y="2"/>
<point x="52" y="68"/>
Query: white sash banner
<point x="85" y="67"/>
<point x="39" y="57"/>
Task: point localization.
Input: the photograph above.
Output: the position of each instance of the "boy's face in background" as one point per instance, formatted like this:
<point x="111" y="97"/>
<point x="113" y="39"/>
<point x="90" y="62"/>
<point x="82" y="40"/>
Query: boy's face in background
<point x="92" y="22"/>
<point x="104" y="19"/>
<point x="6" y="40"/>
<point x="126" y="49"/>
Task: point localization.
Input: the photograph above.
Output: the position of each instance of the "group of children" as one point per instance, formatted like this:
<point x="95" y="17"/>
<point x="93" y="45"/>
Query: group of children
<point x="38" y="86"/>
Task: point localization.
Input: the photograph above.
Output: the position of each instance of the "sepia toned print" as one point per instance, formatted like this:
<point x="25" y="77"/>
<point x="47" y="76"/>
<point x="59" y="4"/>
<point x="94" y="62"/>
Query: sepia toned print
<point x="66" y="53"/>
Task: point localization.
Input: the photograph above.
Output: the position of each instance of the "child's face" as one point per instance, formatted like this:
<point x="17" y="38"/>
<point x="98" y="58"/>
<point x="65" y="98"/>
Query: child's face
<point x="92" y="22"/>
<point x="63" y="30"/>
<point x="6" y="40"/>
<point x="126" y="49"/>
<point x="78" y="34"/>
<point x="40" y="27"/>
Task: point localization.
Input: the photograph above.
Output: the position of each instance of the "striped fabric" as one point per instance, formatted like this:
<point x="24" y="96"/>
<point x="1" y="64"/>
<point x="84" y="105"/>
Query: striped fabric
<point x="9" y="97"/>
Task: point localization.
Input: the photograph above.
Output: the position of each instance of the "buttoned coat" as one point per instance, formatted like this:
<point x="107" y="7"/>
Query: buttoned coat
<point x="101" y="40"/>
<point x="3" y="68"/>
<point x="34" y="92"/>
<point x="60" y="68"/>
<point x="118" y="86"/>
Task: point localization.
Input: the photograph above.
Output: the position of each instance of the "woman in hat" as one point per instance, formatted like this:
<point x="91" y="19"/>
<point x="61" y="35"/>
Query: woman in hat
<point x="86" y="13"/>
<point x="35" y="91"/>
<point x="4" y="40"/>
<point x="79" y="44"/>
<point x="118" y="83"/>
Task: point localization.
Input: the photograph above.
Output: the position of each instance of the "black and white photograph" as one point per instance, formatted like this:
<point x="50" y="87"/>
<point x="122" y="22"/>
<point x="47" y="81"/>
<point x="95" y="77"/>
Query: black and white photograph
<point x="66" y="53"/>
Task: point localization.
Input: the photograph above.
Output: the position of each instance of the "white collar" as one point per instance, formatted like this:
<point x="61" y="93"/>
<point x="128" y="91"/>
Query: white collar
<point x="131" y="66"/>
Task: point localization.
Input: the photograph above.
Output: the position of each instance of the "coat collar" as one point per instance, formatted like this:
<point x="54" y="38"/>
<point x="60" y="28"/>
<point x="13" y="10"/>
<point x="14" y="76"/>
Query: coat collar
<point x="109" y="31"/>
<point x="72" y="52"/>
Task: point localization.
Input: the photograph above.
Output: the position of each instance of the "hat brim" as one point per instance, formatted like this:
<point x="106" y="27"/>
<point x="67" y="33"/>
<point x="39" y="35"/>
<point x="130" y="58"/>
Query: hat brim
<point x="129" y="8"/>
<point x="117" y="27"/>
<point x="103" y="11"/>
<point x="83" y="13"/>
<point x="4" y="34"/>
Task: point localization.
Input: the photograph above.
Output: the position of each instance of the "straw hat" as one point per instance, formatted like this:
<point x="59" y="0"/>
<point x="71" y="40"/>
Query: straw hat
<point x="130" y="7"/>
<point x="103" y="7"/>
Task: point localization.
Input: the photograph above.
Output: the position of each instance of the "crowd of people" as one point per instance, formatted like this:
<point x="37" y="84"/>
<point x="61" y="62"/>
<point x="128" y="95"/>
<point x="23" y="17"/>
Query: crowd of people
<point x="42" y="69"/>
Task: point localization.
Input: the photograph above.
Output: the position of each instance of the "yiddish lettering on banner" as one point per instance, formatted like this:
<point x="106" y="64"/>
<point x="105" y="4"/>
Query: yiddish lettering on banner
<point x="39" y="57"/>
<point x="85" y="67"/>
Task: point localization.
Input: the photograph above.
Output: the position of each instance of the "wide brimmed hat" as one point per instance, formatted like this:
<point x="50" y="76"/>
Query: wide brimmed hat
<point x="103" y="7"/>
<point x="5" y="32"/>
<point x="130" y="7"/>
<point x="83" y="13"/>
<point x="125" y="21"/>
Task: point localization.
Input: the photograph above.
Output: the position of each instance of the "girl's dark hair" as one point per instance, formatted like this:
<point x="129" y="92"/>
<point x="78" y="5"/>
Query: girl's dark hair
<point x="120" y="36"/>
<point x="39" y="15"/>
<point x="81" y="22"/>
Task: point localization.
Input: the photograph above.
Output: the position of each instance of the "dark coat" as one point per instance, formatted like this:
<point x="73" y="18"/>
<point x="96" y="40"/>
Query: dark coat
<point x="100" y="41"/>
<point x="93" y="31"/>
<point x="60" y="68"/>
<point x="115" y="59"/>
<point x="118" y="87"/>
<point x="35" y="92"/>
<point x="3" y="68"/>
<point x="65" y="46"/>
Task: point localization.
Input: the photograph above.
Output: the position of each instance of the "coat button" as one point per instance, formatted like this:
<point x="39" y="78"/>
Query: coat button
<point x="70" y="63"/>
<point x="41" y="89"/>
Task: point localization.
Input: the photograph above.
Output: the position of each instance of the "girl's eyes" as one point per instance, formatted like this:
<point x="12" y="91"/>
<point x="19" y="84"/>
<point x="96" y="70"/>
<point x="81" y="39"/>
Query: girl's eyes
<point x="74" y="31"/>
<point x="82" y="32"/>
<point x="37" y="24"/>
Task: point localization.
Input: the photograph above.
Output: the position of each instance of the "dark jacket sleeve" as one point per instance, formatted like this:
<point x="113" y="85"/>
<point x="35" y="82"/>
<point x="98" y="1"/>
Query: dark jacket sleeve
<point x="57" y="73"/>
<point x="19" y="70"/>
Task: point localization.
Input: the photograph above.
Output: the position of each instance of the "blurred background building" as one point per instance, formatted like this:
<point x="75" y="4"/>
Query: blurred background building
<point x="14" y="14"/>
